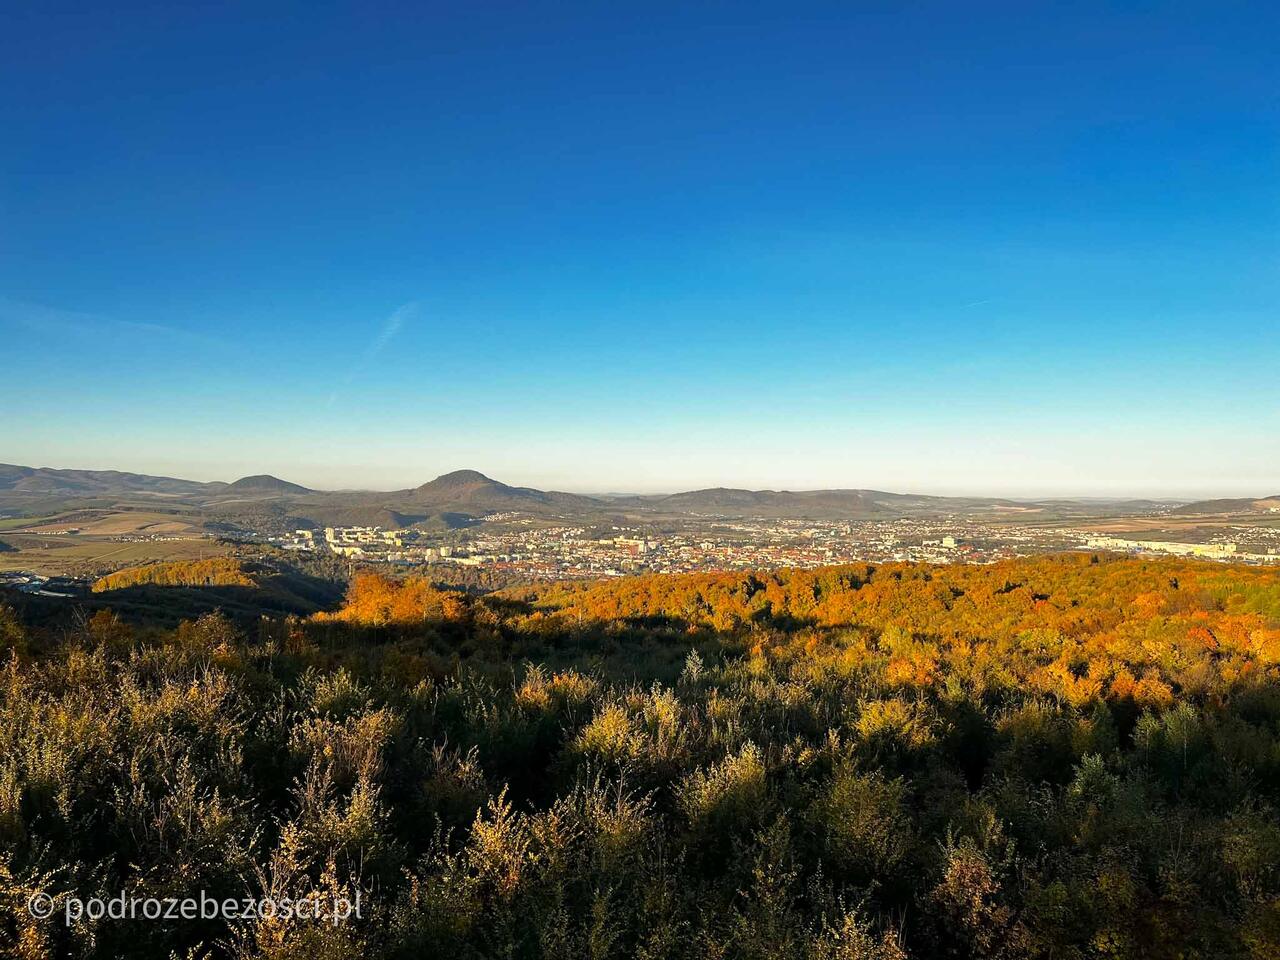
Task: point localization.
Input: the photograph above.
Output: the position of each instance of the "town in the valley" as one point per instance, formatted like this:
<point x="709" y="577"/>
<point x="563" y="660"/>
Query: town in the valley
<point x="519" y="545"/>
<point x="510" y="547"/>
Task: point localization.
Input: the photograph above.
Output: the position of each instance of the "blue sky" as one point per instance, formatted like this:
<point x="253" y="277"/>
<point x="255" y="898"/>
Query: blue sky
<point x="957" y="248"/>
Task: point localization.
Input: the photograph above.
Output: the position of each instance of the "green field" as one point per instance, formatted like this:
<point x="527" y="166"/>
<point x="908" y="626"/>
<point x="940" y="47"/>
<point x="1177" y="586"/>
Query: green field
<point x="21" y="523"/>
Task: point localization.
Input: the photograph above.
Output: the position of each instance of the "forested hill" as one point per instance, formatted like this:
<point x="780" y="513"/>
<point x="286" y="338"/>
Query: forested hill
<point x="1047" y="758"/>
<point x="239" y="588"/>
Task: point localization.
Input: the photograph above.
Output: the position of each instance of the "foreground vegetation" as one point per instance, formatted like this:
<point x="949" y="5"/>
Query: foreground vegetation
<point x="1058" y="757"/>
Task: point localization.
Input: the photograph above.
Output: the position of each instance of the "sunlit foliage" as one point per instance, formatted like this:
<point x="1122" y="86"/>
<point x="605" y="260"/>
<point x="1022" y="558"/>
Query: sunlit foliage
<point x="214" y="572"/>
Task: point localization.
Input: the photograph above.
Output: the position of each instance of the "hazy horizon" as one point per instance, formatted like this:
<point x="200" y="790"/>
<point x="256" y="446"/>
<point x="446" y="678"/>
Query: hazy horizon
<point x="296" y="476"/>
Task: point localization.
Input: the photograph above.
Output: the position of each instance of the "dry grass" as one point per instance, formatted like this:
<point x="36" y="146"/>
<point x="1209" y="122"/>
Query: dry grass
<point x="61" y="555"/>
<point x="117" y="523"/>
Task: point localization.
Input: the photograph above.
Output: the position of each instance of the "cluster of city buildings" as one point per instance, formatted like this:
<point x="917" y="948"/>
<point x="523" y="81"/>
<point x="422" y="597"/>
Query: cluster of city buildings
<point x="523" y="546"/>
<point x="515" y="545"/>
<point x="358" y="542"/>
<point x="1224" y="550"/>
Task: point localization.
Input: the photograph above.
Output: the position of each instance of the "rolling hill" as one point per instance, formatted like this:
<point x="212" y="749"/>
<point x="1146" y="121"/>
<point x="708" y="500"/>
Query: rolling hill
<point x="1232" y="505"/>
<point x="48" y="481"/>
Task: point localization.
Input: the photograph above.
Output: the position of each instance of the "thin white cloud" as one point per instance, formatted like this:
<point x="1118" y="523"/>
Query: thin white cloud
<point x="390" y="329"/>
<point x="54" y="321"/>
<point x="399" y="317"/>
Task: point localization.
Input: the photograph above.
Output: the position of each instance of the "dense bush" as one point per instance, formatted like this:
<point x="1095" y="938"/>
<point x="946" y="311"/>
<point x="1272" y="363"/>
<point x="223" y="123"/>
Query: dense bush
<point x="1042" y="758"/>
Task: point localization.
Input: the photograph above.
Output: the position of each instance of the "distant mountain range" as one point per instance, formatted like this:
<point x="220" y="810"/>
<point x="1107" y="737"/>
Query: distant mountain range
<point x="819" y="503"/>
<point x="461" y="497"/>
<point x="48" y="481"/>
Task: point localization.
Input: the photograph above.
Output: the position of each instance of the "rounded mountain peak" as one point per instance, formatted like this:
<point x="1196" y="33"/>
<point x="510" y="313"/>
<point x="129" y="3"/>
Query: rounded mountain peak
<point x="459" y="478"/>
<point x="472" y="488"/>
<point x="264" y="482"/>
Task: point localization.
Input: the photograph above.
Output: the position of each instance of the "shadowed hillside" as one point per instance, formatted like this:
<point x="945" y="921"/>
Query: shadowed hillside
<point x="167" y="592"/>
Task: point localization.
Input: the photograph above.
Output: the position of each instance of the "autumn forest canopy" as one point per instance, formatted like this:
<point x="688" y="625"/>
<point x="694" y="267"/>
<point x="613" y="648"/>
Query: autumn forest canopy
<point x="1059" y="757"/>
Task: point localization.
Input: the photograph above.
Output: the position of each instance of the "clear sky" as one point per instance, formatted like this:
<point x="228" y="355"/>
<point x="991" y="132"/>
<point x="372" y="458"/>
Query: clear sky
<point x="928" y="247"/>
